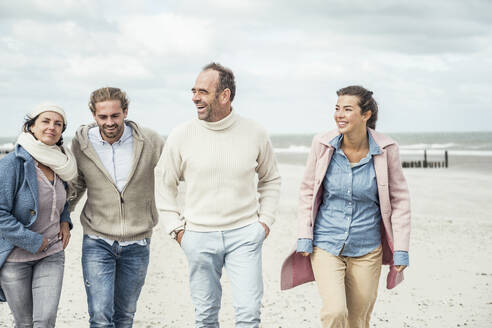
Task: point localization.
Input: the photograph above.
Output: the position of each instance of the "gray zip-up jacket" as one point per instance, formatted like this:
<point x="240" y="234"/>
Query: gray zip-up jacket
<point x="126" y="216"/>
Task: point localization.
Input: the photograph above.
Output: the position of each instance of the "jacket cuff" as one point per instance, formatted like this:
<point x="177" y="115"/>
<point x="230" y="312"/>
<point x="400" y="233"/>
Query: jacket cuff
<point x="173" y="222"/>
<point x="36" y="243"/>
<point x="401" y="258"/>
<point x="65" y="216"/>
<point x="304" y="245"/>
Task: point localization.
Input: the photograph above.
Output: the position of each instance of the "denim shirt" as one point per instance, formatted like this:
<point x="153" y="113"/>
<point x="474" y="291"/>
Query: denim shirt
<point x="348" y="222"/>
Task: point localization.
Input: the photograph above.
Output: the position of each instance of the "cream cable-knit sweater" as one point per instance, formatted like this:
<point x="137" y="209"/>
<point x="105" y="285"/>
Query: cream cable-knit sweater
<point x="230" y="173"/>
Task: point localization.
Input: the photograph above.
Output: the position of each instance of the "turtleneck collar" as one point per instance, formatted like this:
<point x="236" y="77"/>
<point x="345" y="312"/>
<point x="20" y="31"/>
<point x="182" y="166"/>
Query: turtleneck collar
<point x="223" y="124"/>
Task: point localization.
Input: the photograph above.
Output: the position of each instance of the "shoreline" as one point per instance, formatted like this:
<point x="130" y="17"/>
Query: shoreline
<point x="482" y="164"/>
<point x="475" y="164"/>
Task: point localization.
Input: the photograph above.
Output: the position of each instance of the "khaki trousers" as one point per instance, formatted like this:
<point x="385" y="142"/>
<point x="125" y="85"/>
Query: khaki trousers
<point x="348" y="287"/>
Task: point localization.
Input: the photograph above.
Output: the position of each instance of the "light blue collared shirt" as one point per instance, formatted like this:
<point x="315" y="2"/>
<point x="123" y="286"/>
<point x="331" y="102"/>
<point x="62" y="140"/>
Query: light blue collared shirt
<point x="117" y="159"/>
<point x="348" y="222"/>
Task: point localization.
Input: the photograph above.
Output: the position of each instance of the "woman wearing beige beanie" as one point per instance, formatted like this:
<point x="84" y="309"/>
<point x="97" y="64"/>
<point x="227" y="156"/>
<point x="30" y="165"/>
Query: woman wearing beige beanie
<point x="34" y="218"/>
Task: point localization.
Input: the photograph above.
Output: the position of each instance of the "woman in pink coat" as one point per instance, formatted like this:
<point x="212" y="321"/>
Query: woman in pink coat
<point x="354" y="214"/>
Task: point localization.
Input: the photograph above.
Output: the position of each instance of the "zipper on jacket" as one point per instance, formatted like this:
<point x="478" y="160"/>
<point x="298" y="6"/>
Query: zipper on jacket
<point x="122" y="223"/>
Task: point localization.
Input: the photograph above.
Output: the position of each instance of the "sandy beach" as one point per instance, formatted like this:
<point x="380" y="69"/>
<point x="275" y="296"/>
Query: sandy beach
<point x="448" y="283"/>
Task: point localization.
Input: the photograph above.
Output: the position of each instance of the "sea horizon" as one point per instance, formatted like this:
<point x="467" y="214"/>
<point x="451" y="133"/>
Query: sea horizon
<point x="466" y="150"/>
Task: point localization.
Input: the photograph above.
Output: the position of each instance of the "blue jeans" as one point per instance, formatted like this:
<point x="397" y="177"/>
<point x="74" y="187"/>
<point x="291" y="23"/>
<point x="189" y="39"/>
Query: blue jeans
<point x="239" y="251"/>
<point x="33" y="290"/>
<point x="113" y="276"/>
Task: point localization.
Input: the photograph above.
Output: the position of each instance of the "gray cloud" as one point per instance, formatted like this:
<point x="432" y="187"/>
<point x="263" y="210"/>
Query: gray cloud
<point x="427" y="62"/>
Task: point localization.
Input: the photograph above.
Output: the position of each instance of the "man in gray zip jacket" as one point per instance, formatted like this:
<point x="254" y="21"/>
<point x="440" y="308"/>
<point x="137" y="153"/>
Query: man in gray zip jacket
<point x="116" y="160"/>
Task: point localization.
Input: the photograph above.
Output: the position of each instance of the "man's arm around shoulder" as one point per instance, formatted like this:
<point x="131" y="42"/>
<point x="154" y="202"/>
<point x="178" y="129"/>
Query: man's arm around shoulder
<point x="77" y="186"/>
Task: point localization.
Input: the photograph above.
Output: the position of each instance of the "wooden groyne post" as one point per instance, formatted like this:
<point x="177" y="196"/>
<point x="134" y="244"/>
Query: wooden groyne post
<point x="427" y="164"/>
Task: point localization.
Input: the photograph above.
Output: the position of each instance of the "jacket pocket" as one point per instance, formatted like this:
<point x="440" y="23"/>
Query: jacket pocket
<point x="88" y="213"/>
<point x="152" y="211"/>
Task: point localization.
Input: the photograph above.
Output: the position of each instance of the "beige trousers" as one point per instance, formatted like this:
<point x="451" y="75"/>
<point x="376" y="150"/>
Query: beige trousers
<point x="348" y="287"/>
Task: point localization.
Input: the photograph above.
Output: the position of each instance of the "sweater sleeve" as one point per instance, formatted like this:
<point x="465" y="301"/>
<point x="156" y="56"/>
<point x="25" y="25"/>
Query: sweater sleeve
<point x="77" y="186"/>
<point x="268" y="182"/>
<point x="157" y="143"/>
<point x="168" y="173"/>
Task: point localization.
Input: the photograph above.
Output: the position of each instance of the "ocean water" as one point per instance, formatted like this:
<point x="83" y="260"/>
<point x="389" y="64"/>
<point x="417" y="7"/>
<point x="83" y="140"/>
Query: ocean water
<point x="466" y="150"/>
<point x="476" y="143"/>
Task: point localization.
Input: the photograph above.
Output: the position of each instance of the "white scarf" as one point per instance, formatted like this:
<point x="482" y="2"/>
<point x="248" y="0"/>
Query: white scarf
<point x="59" y="159"/>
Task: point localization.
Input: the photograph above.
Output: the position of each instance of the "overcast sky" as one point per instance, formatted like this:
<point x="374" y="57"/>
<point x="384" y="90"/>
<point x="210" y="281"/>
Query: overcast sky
<point x="429" y="63"/>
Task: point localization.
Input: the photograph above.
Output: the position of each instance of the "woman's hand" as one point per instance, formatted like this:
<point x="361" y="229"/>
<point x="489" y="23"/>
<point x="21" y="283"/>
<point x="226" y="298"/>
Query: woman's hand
<point x="305" y="253"/>
<point x="400" y="268"/>
<point x="64" y="233"/>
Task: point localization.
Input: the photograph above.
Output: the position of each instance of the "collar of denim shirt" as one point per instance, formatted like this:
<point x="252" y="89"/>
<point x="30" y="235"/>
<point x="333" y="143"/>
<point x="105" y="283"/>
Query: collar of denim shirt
<point x="373" y="148"/>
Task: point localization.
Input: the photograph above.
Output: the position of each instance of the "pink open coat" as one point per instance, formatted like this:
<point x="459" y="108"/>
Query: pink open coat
<point x="394" y="202"/>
